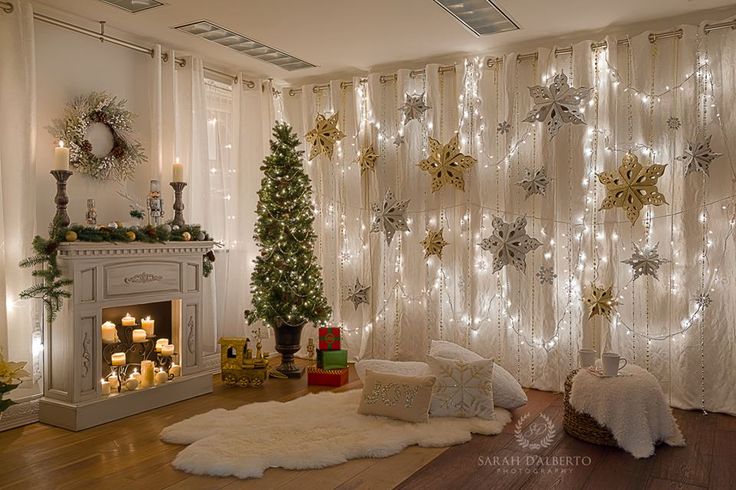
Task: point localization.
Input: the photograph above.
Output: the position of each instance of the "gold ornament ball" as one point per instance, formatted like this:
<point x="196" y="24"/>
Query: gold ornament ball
<point x="71" y="236"/>
<point x="186" y="236"/>
<point x="130" y="235"/>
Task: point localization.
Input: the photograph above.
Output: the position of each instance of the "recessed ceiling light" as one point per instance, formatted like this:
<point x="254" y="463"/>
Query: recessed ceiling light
<point x="481" y="17"/>
<point x="134" y="6"/>
<point x="244" y="45"/>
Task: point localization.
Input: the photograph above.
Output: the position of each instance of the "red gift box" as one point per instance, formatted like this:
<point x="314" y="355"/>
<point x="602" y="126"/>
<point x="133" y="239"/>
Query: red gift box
<point x="329" y="338"/>
<point x="324" y="377"/>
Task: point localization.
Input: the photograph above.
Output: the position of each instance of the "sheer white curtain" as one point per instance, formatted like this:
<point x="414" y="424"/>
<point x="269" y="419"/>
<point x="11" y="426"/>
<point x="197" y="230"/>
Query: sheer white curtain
<point x="532" y="328"/>
<point x="18" y="331"/>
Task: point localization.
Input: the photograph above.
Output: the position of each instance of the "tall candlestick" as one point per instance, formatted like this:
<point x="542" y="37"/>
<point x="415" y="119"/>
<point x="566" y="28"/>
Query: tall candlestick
<point x="178" y="171"/>
<point x="61" y="219"/>
<point x="61" y="157"/>
<point x="178" y="202"/>
<point x="109" y="333"/>
<point x="147" y="325"/>
<point x="128" y="321"/>
<point x="146" y="374"/>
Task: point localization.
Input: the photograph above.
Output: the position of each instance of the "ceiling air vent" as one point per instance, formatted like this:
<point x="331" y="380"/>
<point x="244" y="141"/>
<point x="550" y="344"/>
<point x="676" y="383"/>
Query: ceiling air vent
<point x="241" y="44"/>
<point x="481" y="17"/>
<point x="134" y="6"/>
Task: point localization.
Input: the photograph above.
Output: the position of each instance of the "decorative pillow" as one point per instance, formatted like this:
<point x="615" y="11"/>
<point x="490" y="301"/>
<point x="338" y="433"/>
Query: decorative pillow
<point x="405" y="368"/>
<point x="507" y="392"/>
<point x="463" y="389"/>
<point x="396" y="396"/>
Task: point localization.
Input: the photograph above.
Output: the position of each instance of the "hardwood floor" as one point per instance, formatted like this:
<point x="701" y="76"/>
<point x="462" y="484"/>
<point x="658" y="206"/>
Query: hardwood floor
<point x="128" y="454"/>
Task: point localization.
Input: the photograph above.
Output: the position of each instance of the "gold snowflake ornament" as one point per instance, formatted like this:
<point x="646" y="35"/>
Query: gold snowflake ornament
<point x="323" y="136"/>
<point x="367" y="158"/>
<point x="600" y="301"/>
<point x="446" y="164"/>
<point x="632" y="187"/>
<point x="433" y="244"/>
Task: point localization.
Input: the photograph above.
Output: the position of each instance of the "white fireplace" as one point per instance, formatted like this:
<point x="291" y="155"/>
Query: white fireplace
<point x="111" y="279"/>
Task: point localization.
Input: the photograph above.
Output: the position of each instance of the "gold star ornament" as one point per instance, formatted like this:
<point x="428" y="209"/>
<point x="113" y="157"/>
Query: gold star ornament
<point x="433" y="244"/>
<point x="632" y="187"/>
<point x="446" y="164"/>
<point x="600" y="300"/>
<point x="324" y="135"/>
<point x="367" y="158"/>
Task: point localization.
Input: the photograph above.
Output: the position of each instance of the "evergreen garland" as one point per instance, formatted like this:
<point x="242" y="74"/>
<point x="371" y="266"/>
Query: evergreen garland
<point x="286" y="283"/>
<point x="53" y="287"/>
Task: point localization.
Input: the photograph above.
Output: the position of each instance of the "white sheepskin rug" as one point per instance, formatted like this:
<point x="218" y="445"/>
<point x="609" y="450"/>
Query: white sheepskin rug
<point x="314" y="431"/>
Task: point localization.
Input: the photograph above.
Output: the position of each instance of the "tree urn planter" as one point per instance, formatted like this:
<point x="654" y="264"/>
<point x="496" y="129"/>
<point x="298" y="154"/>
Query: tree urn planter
<point x="288" y="343"/>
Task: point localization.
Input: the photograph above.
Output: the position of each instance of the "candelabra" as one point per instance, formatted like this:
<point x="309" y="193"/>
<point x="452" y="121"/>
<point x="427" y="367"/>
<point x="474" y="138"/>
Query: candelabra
<point x="178" y="202"/>
<point x="61" y="219"/>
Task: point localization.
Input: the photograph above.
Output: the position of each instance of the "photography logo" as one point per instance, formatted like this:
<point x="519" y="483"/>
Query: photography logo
<point x="538" y="435"/>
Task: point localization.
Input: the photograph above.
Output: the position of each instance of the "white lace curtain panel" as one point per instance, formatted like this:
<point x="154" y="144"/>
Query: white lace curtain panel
<point x="651" y="98"/>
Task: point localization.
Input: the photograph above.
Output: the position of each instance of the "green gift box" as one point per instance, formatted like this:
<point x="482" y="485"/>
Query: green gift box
<point x="332" y="359"/>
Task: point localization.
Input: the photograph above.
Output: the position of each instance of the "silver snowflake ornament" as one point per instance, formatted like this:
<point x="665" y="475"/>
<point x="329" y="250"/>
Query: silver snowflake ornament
<point x="358" y="294"/>
<point x="503" y="127"/>
<point x="389" y="216"/>
<point x="703" y="301"/>
<point x="535" y="182"/>
<point x="509" y="244"/>
<point x="674" y="123"/>
<point x="546" y="275"/>
<point x="413" y="107"/>
<point x="557" y="104"/>
<point x="698" y="155"/>
<point x="398" y="140"/>
<point x="645" y="261"/>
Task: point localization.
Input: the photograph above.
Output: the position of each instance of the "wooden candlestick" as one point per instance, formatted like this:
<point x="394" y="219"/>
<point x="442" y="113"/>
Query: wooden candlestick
<point x="61" y="219"/>
<point x="178" y="202"/>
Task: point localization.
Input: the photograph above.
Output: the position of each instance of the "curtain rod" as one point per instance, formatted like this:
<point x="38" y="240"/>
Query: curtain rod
<point x="8" y="8"/>
<point x="653" y="37"/>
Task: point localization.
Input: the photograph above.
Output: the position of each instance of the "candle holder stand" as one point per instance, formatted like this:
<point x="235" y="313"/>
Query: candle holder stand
<point x="61" y="219"/>
<point x="178" y="202"/>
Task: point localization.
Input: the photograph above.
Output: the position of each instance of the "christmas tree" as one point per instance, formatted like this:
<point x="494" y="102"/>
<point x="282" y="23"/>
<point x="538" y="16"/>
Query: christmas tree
<point x="286" y="283"/>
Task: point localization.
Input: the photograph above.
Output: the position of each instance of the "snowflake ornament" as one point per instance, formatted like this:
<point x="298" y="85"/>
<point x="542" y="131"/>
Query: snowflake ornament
<point x="632" y="187"/>
<point x="600" y="300"/>
<point x="446" y="164"/>
<point x="645" y="261"/>
<point x="398" y="140"/>
<point x="389" y="216"/>
<point x="698" y="155"/>
<point x="433" y="243"/>
<point x="535" y="182"/>
<point x="323" y="136"/>
<point x="674" y="123"/>
<point x="413" y="107"/>
<point x="367" y="158"/>
<point x="358" y="294"/>
<point x="546" y="275"/>
<point x="503" y="127"/>
<point x="509" y="244"/>
<point x="557" y="104"/>
<point x="703" y="301"/>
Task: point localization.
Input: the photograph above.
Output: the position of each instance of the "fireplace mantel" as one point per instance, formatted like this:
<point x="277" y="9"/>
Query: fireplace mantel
<point x="114" y="275"/>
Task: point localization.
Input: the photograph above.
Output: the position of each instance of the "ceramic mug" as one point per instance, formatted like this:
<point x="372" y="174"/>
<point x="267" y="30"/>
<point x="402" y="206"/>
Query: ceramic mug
<point x="587" y="357"/>
<point x="612" y="363"/>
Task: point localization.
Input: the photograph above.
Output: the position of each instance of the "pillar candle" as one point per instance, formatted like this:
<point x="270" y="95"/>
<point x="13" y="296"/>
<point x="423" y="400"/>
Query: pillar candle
<point x="61" y="157"/>
<point x="175" y="370"/>
<point x="139" y="335"/>
<point x="136" y="375"/>
<point x="161" y="377"/>
<point x="128" y="321"/>
<point x="118" y="359"/>
<point x="131" y="384"/>
<point x="114" y="382"/>
<point x="178" y="171"/>
<point x="109" y="333"/>
<point x="147" y="325"/>
<point x="160" y="343"/>
<point x="104" y="387"/>
<point x="167" y="350"/>
<point x="146" y="378"/>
